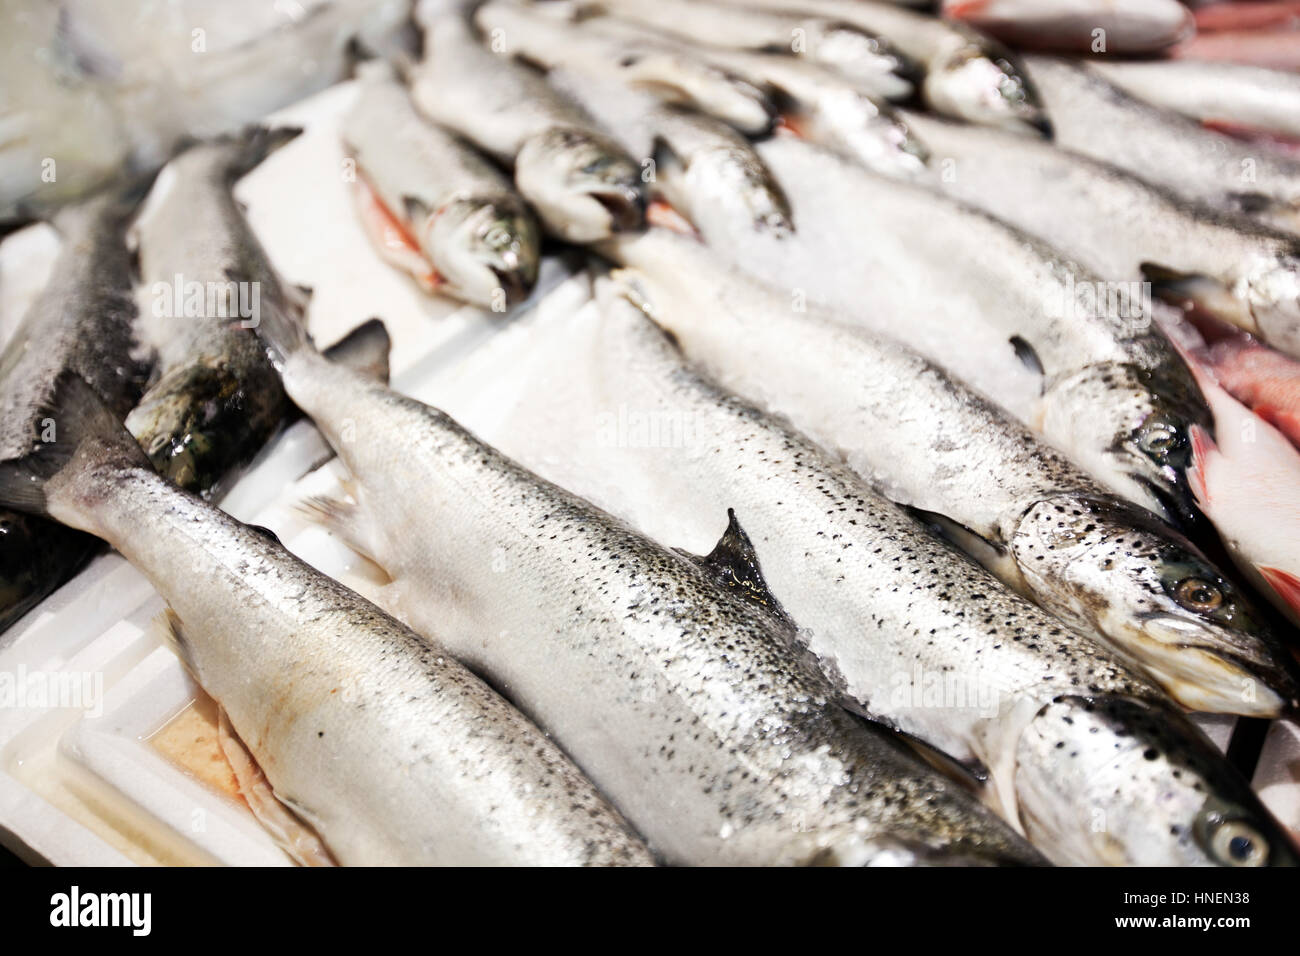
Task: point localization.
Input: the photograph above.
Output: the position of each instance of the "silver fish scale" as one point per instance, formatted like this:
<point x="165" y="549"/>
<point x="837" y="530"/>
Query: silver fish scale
<point x="80" y="322"/>
<point x="379" y="738"/>
<point x="683" y="705"/>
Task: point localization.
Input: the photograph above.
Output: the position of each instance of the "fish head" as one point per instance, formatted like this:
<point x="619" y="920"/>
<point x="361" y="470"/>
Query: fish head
<point x="1114" y="781"/>
<point x="485" y="249"/>
<point x="1140" y="446"/>
<point x="201" y="419"/>
<point x="862" y="55"/>
<point x="1158" y="601"/>
<point x="1272" y="293"/>
<point x="988" y="89"/>
<point x="729" y="184"/>
<point x="583" y="185"/>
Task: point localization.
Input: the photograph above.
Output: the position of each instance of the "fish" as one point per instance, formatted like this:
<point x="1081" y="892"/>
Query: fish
<point x="1123" y="228"/>
<point x="698" y="163"/>
<point x="371" y="734"/>
<point x="1274" y="49"/>
<point x="82" y="321"/>
<point x="467" y="224"/>
<point x="891" y="613"/>
<point x="819" y="105"/>
<point x="858" y="53"/>
<point x="680" y="701"/>
<point x="1082" y="26"/>
<point x="204" y="280"/>
<point x="1096" y="118"/>
<point x="1210" y="92"/>
<point x="968" y="76"/>
<point x="677" y="76"/>
<point x="1077" y="358"/>
<point x="924" y="440"/>
<point x="1245" y="479"/>
<point x="581" y="184"/>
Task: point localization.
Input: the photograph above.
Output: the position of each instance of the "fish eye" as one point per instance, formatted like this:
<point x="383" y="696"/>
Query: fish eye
<point x="1233" y="843"/>
<point x="1158" y="438"/>
<point x="1197" y="594"/>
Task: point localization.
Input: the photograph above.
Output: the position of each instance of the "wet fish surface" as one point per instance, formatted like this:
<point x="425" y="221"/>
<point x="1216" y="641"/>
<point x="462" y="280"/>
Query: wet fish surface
<point x="916" y="634"/>
<point x="1098" y="119"/>
<point x="374" y="736"/>
<point x="682" y="703"/>
<point x="1020" y="507"/>
<point x="1120" y="227"/>
<point x="80" y="322"/>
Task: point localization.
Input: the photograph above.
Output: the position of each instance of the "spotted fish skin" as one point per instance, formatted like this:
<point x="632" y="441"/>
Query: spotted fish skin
<point x="80" y="322"/>
<point x="916" y="635"/>
<point x="372" y="734"/>
<point x="683" y="704"/>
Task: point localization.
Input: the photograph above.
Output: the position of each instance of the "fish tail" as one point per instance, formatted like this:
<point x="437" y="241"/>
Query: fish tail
<point x="76" y="433"/>
<point x="283" y="333"/>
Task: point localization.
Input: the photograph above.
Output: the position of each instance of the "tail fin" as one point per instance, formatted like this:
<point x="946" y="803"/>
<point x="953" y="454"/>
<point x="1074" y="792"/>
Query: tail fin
<point x="364" y="349"/>
<point x="82" y="431"/>
<point x="254" y="144"/>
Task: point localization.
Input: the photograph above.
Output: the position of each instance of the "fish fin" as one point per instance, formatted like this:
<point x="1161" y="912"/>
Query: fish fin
<point x="972" y="774"/>
<point x="733" y="563"/>
<point x="346" y="519"/>
<point x="365" y="349"/>
<point x="1202" y="447"/>
<point x="1027" y="355"/>
<point x="80" y="422"/>
<point x="991" y="556"/>
<point x="661" y="213"/>
<point x="299" y="840"/>
<point x="1286" y="584"/>
<point x="171" y="634"/>
<point x="253" y="144"/>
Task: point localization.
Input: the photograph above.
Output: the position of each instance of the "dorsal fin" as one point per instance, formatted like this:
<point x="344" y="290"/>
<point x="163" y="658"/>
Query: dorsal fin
<point x="733" y="563"/>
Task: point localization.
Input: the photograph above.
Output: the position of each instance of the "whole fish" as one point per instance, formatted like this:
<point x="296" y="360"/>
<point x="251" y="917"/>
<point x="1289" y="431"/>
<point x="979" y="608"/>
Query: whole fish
<point x="818" y="104"/>
<point x="893" y="613"/>
<point x="858" y="53"/>
<point x="1243" y="95"/>
<point x="1246" y="483"/>
<point x="1097" y="26"/>
<point x="1020" y="507"/>
<point x="205" y="281"/>
<point x="1073" y="356"/>
<point x="1119" y="226"/>
<point x="80" y="322"/>
<point x="700" y="164"/>
<point x="680" y="701"/>
<point x="1092" y="116"/>
<point x="467" y="223"/>
<point x="519" y="30"/>
<point x="582" y="185"/>
<point x="968" y="76"/>
<point x="375" y="737"/>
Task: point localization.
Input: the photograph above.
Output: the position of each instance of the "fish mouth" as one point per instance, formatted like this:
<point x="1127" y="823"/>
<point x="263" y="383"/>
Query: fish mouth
<point x="1175" y="497"/>
<point x="625" y="207"/>
<point x="514" y="285"/>
<point x="1212" y="678"/>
